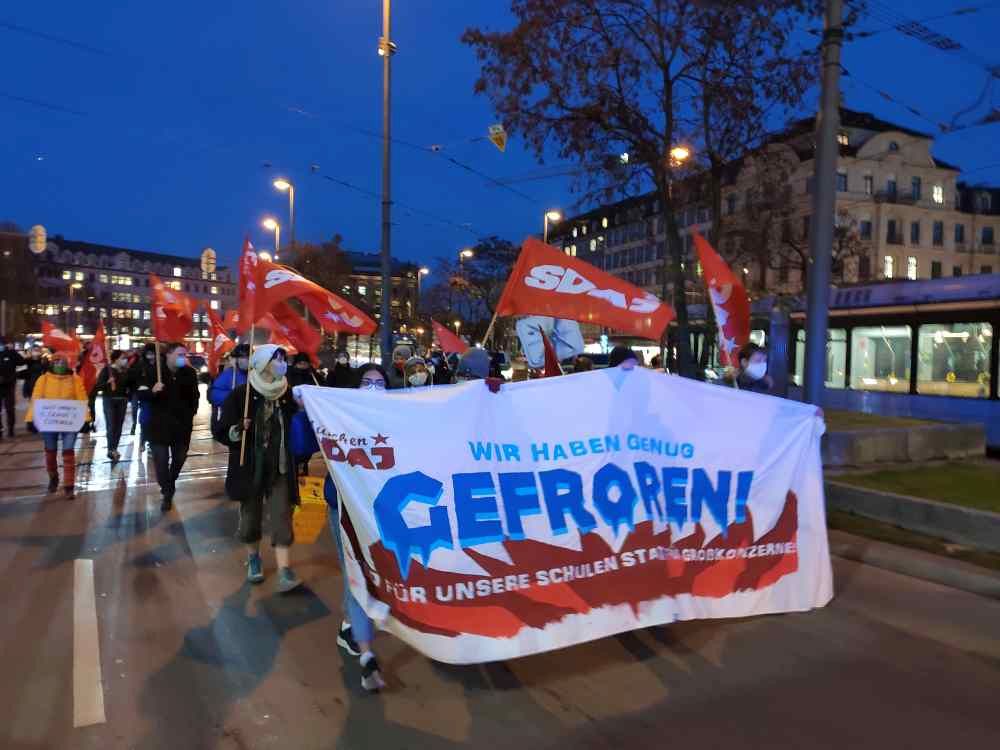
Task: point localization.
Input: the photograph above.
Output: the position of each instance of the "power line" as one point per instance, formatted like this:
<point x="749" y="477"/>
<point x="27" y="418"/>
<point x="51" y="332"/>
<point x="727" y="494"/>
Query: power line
<point x="41" y="104"/>
<point x="52" y="38"/>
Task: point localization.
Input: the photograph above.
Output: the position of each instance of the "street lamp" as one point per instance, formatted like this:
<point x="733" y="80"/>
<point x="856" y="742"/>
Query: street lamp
<point x="462" y="255"/>
<point x="275" y="227"/>
<point x="458" y="325"/>
<point x="284" y="185"/>
<point x="553" y="216"/>
<point x="72" y="288"/>
<point x="423" y="271"/>
<point x="679" y="155"/>
<point x="265" y="255"/>
<point x="386" y="49"/>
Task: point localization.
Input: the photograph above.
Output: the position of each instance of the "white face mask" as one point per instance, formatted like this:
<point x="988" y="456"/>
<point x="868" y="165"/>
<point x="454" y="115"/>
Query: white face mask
<point x="756" y="370"/>
<point x="342" y="360"/>
<point x="418" y="379"/>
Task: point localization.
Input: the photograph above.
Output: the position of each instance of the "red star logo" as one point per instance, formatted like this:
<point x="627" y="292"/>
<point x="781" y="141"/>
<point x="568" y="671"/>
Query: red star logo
<point x="380" y="439"/>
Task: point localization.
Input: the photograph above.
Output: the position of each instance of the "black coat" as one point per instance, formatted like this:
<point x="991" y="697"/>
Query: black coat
<point x="172" y="410"/>
<point x="240" y="479"/>
<point x="10" y="360"/>
<point x="341" y="376"/>
<point x="35" y="369"/>
<point x="123" y="385"/>
<point x="301" y="377"/>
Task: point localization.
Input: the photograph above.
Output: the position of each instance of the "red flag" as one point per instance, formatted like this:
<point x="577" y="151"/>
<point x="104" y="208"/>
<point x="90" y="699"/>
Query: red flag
<point x="278" y="283"/>
<point x="231" y="320"/>
<point x="447" y="340"/>
<point x="545" y="281"/>
<point x="729" y="300"/>
<point x="221" y="343"/>
<point x="96" y="359"/>
<point x="552" y="366"/>
<point x="299" y="333"/>
<point x="173" y="311"/>
<point x="58" y="340"/>
<point x="248" y="311"/>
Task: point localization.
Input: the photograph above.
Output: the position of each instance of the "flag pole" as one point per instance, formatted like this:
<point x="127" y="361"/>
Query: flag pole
<point x="156" y="350"/>
<point x="246" y="405"/>
<point x="489" y="330"/>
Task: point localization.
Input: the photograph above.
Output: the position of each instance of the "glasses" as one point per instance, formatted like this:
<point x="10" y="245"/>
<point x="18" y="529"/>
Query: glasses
<point x="373" y="385"/>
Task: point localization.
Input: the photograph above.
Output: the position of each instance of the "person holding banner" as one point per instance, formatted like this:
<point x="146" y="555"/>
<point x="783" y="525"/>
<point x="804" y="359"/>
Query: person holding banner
<point x="173" y="402"/>
<point x="415" y="373"/>
<point x="267" y="478"/>
<point x="114" y="383"/>
<point x="226" y="381"/>
<point x="302" y="372"/>
<point x="752" y="372"/>
<point x="59" y="384"/>
<point x="341" y="375"/>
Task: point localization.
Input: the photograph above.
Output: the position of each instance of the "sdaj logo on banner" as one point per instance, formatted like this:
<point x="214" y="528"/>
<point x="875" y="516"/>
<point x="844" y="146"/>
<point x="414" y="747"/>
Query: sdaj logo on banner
<point x="482" y="526"/>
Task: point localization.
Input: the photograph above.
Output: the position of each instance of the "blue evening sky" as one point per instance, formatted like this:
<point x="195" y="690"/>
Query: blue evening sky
<point x="154" y="134"/>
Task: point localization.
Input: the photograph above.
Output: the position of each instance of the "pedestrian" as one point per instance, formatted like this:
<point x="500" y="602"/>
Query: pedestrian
<point x="301" y="371"/>
<point x="341" y="375"/>
<point x="751" y="374"/>
<point x="442" y="373"/>
<point x="266" y="478"/>
<point x="622" y="356"/>
<point x="134" y="357"/>
<point x="397" y="373"/>
<point x="11" y="363"/>
<point x="226" y="382"/>
<point x="113" y="382"/>
<point x="583" y="364"/>
<point x="37" y="364"/>
<point x="416" y="373"/>
<point x="91" y="425"/>
<point x="59" y="383"/>
<point x="173" y="402"/>
<point x="142" y="375"/>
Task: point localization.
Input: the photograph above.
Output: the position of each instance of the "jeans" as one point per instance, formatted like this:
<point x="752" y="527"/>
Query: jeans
<point x="362" y="628"/>
<point x="52" y="440"/>
<point x="114" y="420"/>
<point x="169" y="460"/>
<point x="7" y="402"/>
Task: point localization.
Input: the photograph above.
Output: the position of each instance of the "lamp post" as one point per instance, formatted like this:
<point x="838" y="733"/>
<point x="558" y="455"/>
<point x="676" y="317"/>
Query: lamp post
<point x="285" y="186"/>
<point x="677" y="156"/>
<point x="462" y="255"/>
<point x="72" y="288"/>
<point x="386" y="49"/>
<point x="274" y="226"/>
<point x="553" y="216"/>
<point x="423" y="271"/>
<point x="458" y="326"/>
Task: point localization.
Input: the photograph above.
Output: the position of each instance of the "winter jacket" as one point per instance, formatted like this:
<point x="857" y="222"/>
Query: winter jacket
<point x="341" y="376"/>
<point x="172" y="410"/>
<point x="31" y="373"/>
<point x="10" y="360"/>
<point x="301" y="377"/>
<point x="52" y="386"/>
<point x="222" y="386"/>
<point x="240" y="482"/>
<point x="114" y="383"/>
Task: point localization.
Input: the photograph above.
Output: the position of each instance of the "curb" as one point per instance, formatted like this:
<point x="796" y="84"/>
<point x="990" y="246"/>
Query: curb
<point x="916" y="564"/>
<point x="973" y="528"/>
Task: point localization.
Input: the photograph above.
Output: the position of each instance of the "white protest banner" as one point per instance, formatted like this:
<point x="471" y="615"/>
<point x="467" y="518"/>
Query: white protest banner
<point x="481" y="526"/>
<point x="59" y="415"/>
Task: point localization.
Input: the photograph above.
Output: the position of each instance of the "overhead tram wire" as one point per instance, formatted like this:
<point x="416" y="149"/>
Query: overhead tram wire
<point x="18" y="29"/>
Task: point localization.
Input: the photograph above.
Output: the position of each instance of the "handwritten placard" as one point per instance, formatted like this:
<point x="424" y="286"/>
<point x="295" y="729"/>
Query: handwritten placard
<point x="59" y="415"/>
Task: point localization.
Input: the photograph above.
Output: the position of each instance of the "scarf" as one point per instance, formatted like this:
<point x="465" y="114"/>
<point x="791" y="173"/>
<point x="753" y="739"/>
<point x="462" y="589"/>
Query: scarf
<point x="271" y="390"/>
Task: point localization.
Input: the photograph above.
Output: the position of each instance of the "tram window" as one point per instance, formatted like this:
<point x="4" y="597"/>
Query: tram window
<point x="880" y="358"/>
<point x="836" y="357"/>
<point x="954" y="359"/>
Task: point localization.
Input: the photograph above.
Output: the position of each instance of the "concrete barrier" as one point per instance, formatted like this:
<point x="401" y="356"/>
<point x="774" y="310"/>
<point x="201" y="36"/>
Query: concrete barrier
<point x="973" y="528"/>
<point x="903" y="444"/>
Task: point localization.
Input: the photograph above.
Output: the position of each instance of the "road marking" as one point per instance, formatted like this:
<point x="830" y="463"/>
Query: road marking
<point x="88" y="689"/>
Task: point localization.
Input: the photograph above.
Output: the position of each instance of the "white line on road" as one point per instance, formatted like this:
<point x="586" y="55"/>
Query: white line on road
<point x="88" y="689"/>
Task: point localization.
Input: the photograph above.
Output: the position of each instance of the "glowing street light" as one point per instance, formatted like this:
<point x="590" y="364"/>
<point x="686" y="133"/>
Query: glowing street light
<point x="272" y="225"/>
<point x="284" y="186"/>
<point x="679" y="155"/>
<point x="551" y="215"/>
<point x="466" y="253"/>
<point x="265" y="255"/>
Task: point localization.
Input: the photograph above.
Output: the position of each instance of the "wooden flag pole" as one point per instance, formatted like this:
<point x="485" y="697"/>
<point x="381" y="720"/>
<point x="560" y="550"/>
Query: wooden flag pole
<point x="246" y="405"/>
<point x="489" y="330"/>
<point x="156" y="350"/>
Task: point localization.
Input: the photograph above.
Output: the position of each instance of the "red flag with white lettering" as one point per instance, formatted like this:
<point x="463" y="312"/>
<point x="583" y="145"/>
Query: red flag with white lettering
<point x="248" y="309"/>
<point x="57" y="340"/>
<point x="221" y="343"/>
<point x="173" y="311"/>
<point x="96" y="359"/>
<point x="545" y="281"/>
<point x="729" y="301"/>
<point x="277" y="283"/>
<point x="448" y="341"/>
<point x="290" y="324"/>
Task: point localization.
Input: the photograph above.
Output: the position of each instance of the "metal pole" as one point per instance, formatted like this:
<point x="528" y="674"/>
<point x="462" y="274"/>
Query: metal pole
<point x="545" y="231"/>
<point x="386" y="46"/>
<point x="824" y="203"/>
<point x="277" y="241"/>
<point x="291" y="216"/>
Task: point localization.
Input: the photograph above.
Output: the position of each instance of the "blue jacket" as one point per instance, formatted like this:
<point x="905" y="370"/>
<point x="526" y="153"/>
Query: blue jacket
<point x="222" y="386"/>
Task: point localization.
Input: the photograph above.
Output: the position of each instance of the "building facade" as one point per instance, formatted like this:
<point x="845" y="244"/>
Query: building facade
<point x="365" y="287"/>
<point x="83" y="283"/>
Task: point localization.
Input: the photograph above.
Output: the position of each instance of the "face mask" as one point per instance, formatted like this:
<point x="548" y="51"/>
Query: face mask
<point x="243" y="363"/>
<point x="60" y="368"/>
<point x="180" y="360"/>
<point x="418" y="379"/>
<point x="342" y="360"/>
<point x="756" y="370"/>
<point x="279" y="368"/>
<point x="150" y="357"/>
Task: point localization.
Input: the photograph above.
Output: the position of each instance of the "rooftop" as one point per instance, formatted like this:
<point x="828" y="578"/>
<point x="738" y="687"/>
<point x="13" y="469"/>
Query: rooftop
<point x="92" y="248"/>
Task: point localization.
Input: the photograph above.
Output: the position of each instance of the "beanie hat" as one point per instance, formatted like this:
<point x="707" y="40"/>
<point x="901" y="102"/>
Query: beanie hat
<point x="402" y="351"/>
<point x="619" y="354"/>
<point x="475" y="363"/>
<point x="264" y="354"/>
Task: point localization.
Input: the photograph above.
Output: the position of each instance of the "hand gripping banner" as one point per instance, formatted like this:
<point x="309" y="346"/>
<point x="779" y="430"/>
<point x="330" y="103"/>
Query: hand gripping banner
<point x="564" y="510"/>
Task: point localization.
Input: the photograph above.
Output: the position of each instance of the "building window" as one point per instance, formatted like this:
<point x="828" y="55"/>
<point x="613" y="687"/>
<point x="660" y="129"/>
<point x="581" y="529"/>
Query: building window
<point x="890" y="188"/>
<point x="937" y="193"/>
<point x="952" y="359"/>
<point x="836" y="357"/>
<point x="914" y="232"/>
<point x="604" y="222"/>
<point x="986" y="269"/>
<point x="880" y="358"/>
<point x="869" y="184"/>
<point x="103" y="278"/>
<point x="984" y="202"/>
<point x="916" y="187"/>
<point x="68" y="275"/>
<point x="935" y="269"/>
<point x="956" y="270"/>
<point x="145" y="314"/>
<point x="177" y="270"/>
<point x="842" y="139"/>
<point x="960" y="233"/>
<point x="731" y="204"/>
<point x="866" y="229"/>
<point x="892" y="235"/>
<point x="911" y="268"/>
<point x="841" y="182"/>
<point x="79" y="275"/>
<point x="893" y="146"/>
<point x="215" y="290"/>
<point x="938" y="234"/>
<point x="987" y="235"/>
<point x="593" y="245"/>
<point x="887" y="266"/>
<point x="214" y="304"/>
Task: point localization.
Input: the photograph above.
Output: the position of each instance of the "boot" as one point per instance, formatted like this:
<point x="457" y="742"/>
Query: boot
<point x="69" y="474"/>
<point x="53" y="469"/>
